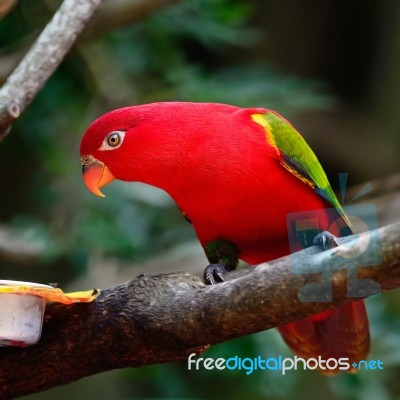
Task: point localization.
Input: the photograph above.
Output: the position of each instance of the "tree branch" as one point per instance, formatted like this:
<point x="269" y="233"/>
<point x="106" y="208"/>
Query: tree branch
<point x="112" y="15"/>
<point x="156" y="319"/>
<point x="43" y="58"/>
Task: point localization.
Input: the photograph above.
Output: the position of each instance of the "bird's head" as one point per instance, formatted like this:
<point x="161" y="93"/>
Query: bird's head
<point x="104" y="146"/>
<point x="138" y="143"/>
<point x="157" y="143"/>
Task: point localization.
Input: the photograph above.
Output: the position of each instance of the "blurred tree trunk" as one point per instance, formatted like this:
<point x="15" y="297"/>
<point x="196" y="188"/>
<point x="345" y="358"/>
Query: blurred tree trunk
<point x="385" y="87"/>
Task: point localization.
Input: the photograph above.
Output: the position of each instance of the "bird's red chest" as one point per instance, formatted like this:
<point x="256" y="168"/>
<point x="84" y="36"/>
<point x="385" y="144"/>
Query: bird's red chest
<point x="250" y="210"/>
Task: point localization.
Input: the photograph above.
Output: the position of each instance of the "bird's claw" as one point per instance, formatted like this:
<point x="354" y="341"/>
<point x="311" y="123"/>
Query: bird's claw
<point x="326" y="240"/>
<point x="214" y="272"/>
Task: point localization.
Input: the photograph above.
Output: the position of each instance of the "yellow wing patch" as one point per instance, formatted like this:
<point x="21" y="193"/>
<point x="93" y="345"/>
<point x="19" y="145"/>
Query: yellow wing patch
<point x="296" y="156"/>
<point x="259" y="119"/>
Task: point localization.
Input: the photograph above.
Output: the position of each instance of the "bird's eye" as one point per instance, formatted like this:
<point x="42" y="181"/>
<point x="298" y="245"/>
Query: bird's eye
<point x="113" y="140"/>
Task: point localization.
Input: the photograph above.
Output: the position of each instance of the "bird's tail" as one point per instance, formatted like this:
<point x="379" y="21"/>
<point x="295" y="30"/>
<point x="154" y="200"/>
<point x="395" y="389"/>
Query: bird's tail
<point x="338" y="333"/>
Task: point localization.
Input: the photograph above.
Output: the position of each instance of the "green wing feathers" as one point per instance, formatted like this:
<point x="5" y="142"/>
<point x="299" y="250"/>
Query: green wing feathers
<point x="297" y="157"/>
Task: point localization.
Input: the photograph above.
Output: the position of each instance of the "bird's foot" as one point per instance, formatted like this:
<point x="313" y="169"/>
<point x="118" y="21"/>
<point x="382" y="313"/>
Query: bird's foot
<point x="215" y="272"/>
<point x="326" y="240"/>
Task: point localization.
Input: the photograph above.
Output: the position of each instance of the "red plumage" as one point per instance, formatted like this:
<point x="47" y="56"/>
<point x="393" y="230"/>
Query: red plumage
<point x="219" y="167"/>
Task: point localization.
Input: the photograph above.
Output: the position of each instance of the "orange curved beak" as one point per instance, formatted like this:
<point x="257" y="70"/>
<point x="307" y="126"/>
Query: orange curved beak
<point x="95" y="175"/>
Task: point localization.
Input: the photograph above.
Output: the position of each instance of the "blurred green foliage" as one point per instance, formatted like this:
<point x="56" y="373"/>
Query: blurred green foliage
<point x="197" y="50"/>
<point x="178" y="54"/>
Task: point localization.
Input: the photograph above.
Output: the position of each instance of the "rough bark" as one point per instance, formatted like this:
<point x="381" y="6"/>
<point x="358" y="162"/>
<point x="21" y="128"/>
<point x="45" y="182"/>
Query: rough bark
<point x="156" y="319"/>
